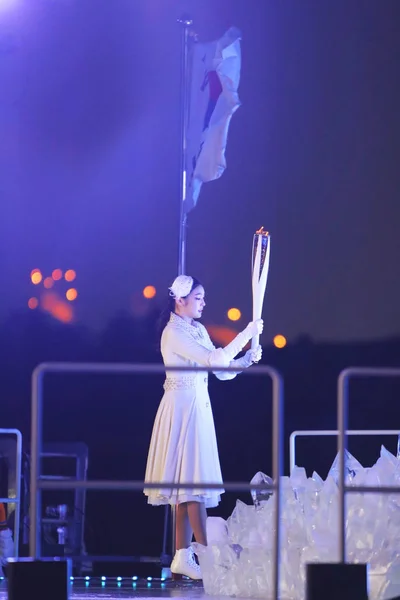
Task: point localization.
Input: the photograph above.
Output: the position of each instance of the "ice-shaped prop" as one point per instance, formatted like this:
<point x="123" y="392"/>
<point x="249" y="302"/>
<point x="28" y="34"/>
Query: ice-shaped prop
<point x="260" y="496"/>
<point x="239" y="558"/>
<point x="351" y="464"/>
<point x="217" y="530"/>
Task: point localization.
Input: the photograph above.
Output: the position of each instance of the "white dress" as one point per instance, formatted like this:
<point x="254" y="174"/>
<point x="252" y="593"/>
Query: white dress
<point x="183" y="447"/>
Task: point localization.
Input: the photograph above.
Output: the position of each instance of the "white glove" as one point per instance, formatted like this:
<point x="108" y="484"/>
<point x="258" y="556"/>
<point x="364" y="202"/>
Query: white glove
<point x="252" y="356"/>
<point x="255" y="327"/>
<point x="252" y="329"/>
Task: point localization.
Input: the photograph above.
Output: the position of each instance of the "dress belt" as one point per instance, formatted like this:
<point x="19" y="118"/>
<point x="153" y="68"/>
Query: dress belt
<point x="185" y="382"/>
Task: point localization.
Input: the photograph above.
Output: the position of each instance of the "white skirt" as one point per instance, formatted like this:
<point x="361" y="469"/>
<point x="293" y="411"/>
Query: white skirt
<point x="183" y="449"/>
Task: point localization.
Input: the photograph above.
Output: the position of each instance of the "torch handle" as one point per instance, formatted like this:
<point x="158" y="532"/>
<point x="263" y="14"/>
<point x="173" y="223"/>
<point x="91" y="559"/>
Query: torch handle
<point x="259" y="282"/>
<point x="257" y="313"/>
<point x="258" y="298"/>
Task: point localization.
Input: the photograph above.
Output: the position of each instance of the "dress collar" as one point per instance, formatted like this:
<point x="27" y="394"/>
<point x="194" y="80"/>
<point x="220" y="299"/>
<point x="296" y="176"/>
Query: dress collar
<point x="193" y="328"/>
<point x="177" y="320"/>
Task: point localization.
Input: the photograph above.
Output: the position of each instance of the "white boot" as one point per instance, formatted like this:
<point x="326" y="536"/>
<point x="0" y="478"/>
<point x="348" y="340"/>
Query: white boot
<point x="184" y="564"/>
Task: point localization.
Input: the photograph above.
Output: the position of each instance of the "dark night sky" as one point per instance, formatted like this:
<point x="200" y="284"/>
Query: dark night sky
<point x="89" y="158"/>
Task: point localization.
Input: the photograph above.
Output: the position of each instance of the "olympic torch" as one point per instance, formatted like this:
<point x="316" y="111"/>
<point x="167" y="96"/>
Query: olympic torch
<point x="260" y="266"/>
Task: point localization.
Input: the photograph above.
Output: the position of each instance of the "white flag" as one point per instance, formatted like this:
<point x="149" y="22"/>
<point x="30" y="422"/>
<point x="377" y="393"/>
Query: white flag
<point x="214" y="98"/>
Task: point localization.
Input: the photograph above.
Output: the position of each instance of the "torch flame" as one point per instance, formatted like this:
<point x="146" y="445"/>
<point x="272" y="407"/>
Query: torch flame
<point x="261" y="231"/>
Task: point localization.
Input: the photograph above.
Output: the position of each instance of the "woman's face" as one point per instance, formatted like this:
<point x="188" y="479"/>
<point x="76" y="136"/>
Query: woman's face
<point x="192" y="306"/>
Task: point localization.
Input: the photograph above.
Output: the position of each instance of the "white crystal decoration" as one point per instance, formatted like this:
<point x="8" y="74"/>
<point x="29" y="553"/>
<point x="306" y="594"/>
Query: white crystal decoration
<point x="239" y="557"/>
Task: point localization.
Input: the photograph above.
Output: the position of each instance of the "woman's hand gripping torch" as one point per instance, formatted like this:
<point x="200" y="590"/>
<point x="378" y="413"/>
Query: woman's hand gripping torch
<point x="260" y="266"/>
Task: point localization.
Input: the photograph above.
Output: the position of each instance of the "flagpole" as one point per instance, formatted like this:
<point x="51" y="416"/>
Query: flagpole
<point x="185" y="22"/>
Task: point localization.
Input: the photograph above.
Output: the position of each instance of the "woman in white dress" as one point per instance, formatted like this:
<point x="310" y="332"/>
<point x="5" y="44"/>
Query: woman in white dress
<point x="183" y="447"/>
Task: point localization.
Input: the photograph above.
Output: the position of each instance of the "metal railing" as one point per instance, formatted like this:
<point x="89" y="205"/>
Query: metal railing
<point x="331" y="432"/>
<point x="342" y="416"/>
<point x="37" y="484"/>
<point x="17" y="499"/>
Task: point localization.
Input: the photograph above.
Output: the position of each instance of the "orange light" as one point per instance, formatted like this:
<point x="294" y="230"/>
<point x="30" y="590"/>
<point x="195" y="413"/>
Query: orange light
<point x="221" y="335"/>
<point x="48" y="283"/>
<point x="149" y="291"/>
<point x="234" y="314"/>
<point x="33" y="303"/>
<point x="71" y="294"/>
<point x="36" y="276"/>
<point x="57" y="274"/>
<point x="60" y="310"/>
<point x="70" y="275"/>
<point x="280" y="341"/>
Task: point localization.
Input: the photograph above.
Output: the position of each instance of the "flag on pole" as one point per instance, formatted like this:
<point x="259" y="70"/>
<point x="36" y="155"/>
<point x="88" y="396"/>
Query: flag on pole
<point x="215" y="75"/>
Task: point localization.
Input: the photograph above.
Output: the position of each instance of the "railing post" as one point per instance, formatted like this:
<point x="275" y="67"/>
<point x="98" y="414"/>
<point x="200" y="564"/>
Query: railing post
<point x="277" y="468"/>
<point x="35" y="509"/>
<point x="343" y="385"/>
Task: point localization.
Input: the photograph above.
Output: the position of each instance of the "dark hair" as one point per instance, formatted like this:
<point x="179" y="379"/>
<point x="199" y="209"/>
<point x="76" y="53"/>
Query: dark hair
<point x="170" y="307"/>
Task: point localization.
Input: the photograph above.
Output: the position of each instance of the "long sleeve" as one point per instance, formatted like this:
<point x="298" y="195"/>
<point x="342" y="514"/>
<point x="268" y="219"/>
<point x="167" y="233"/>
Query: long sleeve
<point x="179" y="340"/>
<point x="238" y="343"/>
<point x="234" y="347"/>
<point x="182" y="344"/>
<point x="221" y="375"/>
<point x="227" y="375"/>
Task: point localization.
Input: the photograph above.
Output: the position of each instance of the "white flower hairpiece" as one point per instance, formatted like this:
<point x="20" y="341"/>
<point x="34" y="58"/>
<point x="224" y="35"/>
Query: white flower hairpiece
<point x="181" y="287"/>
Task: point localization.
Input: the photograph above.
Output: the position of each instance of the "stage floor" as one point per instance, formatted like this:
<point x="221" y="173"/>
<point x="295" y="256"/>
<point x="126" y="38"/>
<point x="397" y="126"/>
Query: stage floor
<point x="113" y="589"/>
